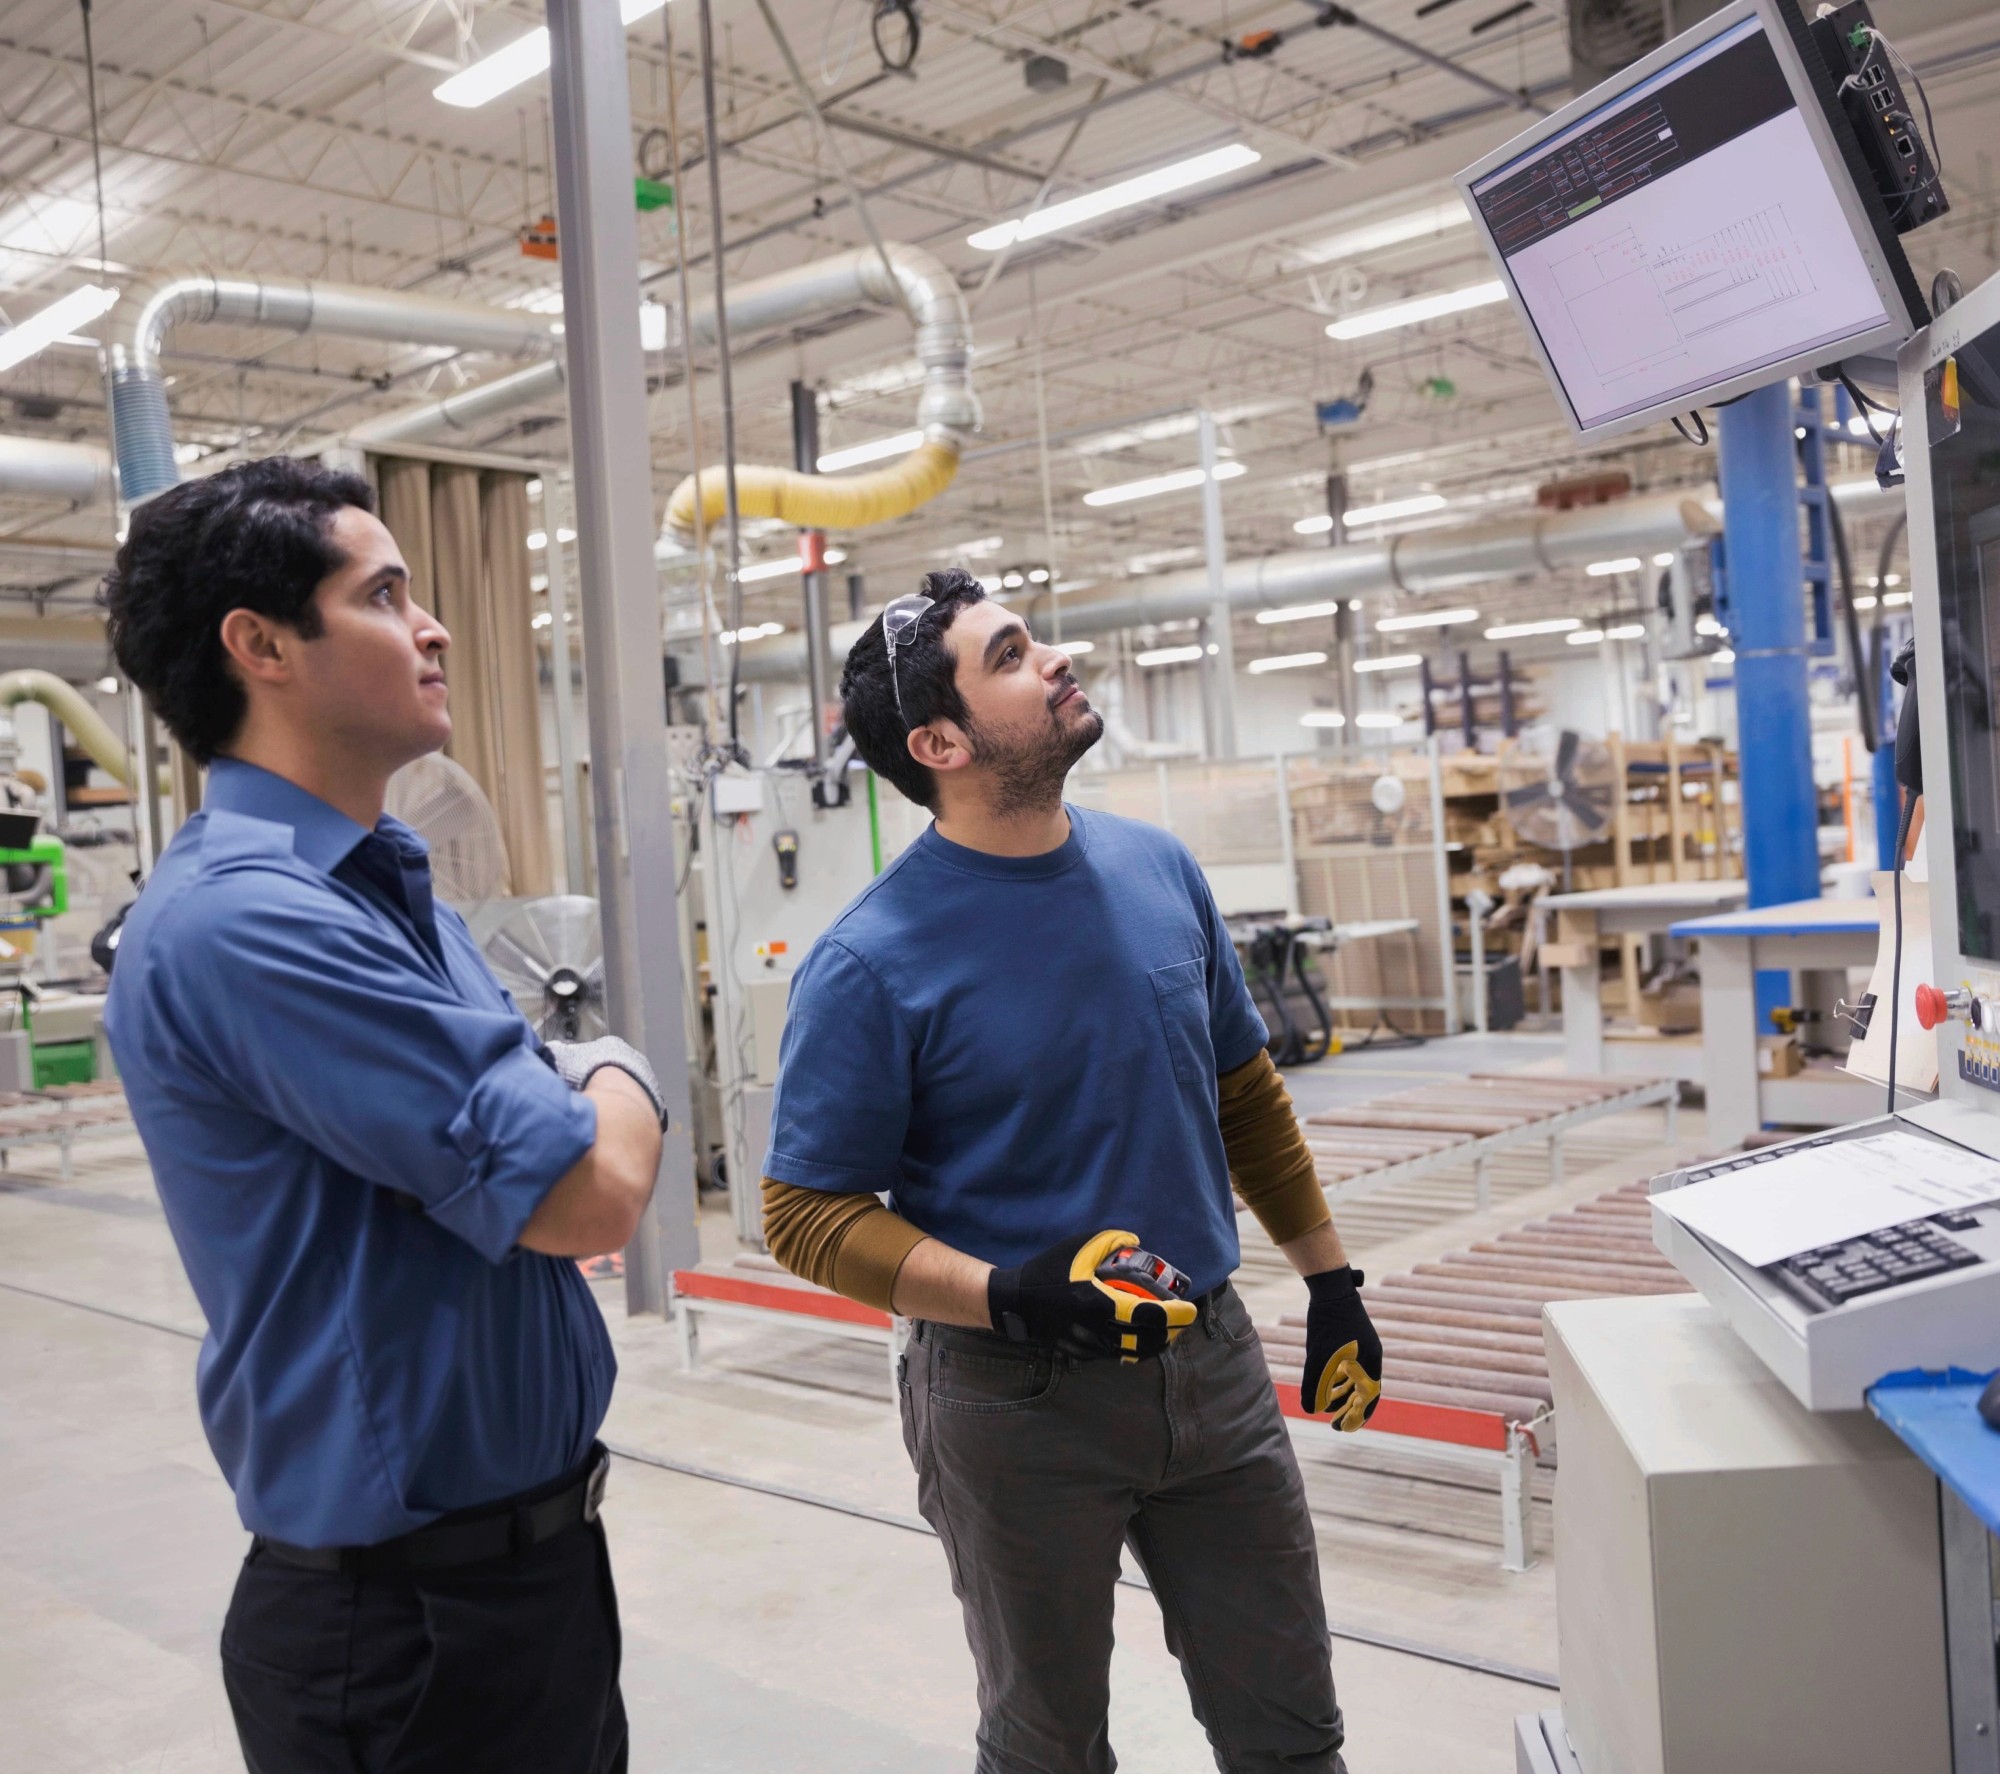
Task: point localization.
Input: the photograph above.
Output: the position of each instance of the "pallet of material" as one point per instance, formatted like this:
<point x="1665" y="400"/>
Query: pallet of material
<point x="1367" y="1146"/>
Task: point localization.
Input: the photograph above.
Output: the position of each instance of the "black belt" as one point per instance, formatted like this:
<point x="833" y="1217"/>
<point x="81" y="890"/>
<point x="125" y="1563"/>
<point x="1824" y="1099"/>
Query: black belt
<point x="494" y="1530"/>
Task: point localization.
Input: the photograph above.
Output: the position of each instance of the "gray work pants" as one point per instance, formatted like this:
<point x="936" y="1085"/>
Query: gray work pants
<point x="1035" y="1467"/>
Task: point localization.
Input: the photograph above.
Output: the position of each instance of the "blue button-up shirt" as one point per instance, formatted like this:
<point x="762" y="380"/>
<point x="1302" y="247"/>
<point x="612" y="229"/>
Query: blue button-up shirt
<point x="350" y="1123"/>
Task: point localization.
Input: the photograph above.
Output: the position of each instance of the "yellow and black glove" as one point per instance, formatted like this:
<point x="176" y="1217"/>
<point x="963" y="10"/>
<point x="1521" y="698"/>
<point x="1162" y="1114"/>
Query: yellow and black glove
<point x="1343" y="1374"/>
<point x="1059" y="1299"/>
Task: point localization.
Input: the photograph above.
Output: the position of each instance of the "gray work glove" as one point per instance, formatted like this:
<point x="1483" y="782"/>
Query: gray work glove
<point x="577" y="1061"/>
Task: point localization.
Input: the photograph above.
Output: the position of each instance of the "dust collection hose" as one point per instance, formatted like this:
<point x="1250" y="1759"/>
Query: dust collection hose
<point x="819" y="502"/>
<point x="895" y="276"/>
<point x="68" y="705"/>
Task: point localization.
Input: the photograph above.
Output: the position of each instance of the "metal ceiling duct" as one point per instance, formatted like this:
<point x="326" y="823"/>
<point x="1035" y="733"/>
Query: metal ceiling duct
<point x="460" y="412"/>
<point x="39" y="468"/>
<point x="947" y="410"/>
<point x="140" y="420"/>
<point x="1426" y="561"/>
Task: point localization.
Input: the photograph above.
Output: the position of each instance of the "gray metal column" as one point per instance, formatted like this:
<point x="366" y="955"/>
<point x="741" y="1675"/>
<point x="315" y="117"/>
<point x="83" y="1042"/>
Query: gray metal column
<point x="1221" y="675"/>
<point x="812" y="581"/>
<point x="620" y="598"/>
<point x="555" y="512"/>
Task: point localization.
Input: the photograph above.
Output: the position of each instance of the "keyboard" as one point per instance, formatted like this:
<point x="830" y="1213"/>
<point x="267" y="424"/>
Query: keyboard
<point x="1834" y="1274"/>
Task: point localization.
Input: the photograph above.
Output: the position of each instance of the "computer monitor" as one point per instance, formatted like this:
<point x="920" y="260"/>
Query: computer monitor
<point x="1698" y="226"/>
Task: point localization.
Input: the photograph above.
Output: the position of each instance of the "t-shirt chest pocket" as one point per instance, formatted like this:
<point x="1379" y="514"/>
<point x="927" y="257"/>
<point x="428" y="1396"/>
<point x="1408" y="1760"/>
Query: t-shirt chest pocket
<point x="1181" y="991"/>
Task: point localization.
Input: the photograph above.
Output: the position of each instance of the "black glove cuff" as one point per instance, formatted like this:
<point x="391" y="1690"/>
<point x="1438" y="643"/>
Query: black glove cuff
<point x="1003" y="1304"/>
<point x="1334" y="1284"/>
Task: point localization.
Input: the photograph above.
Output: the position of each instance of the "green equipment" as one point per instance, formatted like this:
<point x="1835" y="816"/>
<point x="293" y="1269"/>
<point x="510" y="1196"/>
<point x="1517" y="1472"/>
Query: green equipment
<point x="34" y="886"/>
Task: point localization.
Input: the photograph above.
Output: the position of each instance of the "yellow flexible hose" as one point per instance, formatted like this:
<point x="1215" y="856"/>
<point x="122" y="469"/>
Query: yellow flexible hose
<point x="69" y="706"/>
<point x="815" y="501"/>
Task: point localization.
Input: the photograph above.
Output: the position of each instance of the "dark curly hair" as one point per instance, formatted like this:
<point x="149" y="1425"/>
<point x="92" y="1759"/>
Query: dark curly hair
<point x="251" y="537"/>
<point x="926" y="669"/>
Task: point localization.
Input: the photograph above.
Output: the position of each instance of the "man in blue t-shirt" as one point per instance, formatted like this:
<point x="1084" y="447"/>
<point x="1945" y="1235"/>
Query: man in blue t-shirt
<point x="1032" y="1034"/>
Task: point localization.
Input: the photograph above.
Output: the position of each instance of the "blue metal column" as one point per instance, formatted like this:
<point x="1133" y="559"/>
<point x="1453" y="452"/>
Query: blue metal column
<point x="1882" y="769"/>
<point x="1760" y="515"/>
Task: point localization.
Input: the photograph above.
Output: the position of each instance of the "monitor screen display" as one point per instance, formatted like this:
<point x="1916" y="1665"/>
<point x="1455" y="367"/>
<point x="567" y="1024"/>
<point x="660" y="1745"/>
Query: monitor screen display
<point x="1684" y="233"/>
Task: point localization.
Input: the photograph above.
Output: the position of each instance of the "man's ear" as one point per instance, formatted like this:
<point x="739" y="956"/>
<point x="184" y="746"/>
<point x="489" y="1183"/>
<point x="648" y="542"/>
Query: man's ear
<point x="940" y="745"/>
<point x="259" y="648"/>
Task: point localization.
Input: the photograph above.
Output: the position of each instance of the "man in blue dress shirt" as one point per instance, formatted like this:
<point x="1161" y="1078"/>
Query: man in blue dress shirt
<point x="376" y="1175"/>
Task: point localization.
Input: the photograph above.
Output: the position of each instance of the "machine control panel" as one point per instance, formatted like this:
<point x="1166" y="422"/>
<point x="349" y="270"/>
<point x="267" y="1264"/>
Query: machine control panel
<point x="1831" y="1321"/>
<point x="1974" y="1005"/>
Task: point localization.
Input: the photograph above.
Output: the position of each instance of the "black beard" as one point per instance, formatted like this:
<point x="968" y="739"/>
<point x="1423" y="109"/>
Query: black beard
<point x="1028" y="777"/>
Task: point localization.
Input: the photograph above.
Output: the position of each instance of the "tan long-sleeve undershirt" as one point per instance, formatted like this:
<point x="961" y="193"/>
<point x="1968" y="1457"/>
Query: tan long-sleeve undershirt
<point x="855" y="1246"/>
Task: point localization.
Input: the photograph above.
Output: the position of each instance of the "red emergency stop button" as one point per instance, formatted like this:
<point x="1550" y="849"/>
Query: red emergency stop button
<point x="1932" y="1007"/>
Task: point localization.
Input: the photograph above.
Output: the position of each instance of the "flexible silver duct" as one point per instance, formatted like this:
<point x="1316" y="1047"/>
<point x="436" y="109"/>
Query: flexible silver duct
<point x="947" y="410"/>
<point x="140" y="420"/>
<point x="1430" y="560"/>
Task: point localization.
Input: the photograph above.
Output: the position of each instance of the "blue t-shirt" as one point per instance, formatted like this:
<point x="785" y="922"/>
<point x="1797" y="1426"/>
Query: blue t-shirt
<point x="1021" y="1049"/>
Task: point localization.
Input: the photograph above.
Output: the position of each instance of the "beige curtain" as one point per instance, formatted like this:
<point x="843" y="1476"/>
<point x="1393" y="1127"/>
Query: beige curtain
<point x="464" y="534"/>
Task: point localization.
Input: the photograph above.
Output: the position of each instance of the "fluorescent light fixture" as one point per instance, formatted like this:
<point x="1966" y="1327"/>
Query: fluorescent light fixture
<point x="541" y="619"/>
<point x="1178" y="482"/>
<point x="1072" y="648"/>
<point x="1378" y="718"/>
<point x="1323" y="717"/>
<point x="1300" y="612"/>
<point x="1074" y="211"/>
<point x="1858" y="427"/>
<point x="1368" y="237"/>
<point x="1167" y="655"/>
<point x="107" y="686"/>
<point x="534" y="489"/>
<point x="46" y="325"/>
<point x="1314" y="526"/>
<point x="1892" y="599"/>
<point x="834" y="556"/>
<point x="1625" y="563"/>
<point x="899" y="445"/>
<point x="757" y="631"/>
<point x="1708" y="625"/>
<point x="1038" y="576"/>
<point x="1723" y="656"/>
<point x="652" y="326"/>
<point x="1864" y="603"/>
<point x="768" y="570"/>
<point x="1626" y="631"/>
<point x="1586" y="637"/>
<point x="1011" y="582"/>
<point x="1419" y="308"/>
<point x="523" y="59"/>
<point x="1424" y="619"/>
<point x="1517" y="631"/>
<point x="1165" y="557"/>
<point x="539" y="539"/>
<point x="1286" y="662"/>
<point x="1892" y="579"/>
<point x="1664" y="560"/>
<point x="1391" y="509"/>
<point x="1390" y="662"/>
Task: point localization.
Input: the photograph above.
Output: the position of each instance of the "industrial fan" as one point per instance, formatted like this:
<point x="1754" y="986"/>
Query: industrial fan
<point x="447" y="808"/>
<point x="549" y="954"/>
<point x="1560" y="802"/>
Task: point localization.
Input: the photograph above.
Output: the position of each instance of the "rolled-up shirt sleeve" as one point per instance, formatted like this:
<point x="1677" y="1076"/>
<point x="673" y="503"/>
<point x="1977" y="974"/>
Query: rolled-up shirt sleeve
<point x="339" y="1035"/>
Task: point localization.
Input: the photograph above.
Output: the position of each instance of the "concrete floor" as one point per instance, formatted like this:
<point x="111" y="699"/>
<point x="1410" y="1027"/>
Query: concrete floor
<point x="763" y="1631"/>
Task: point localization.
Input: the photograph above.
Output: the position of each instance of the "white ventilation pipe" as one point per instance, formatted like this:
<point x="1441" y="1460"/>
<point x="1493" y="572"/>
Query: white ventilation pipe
<point x="140" y="420"/>
<point x="38" y="468"/>
<point x="1426" y="561"/>
<point x="460" y="412"/>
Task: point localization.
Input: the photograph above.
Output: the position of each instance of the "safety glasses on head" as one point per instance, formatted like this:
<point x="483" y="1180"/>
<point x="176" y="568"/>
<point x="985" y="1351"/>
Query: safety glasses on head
<point x="899" y="623"/>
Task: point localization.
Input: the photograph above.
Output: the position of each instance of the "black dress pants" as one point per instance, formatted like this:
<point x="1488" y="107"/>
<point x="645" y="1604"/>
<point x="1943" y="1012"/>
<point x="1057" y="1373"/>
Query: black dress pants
<point x="508" y="1664"/>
